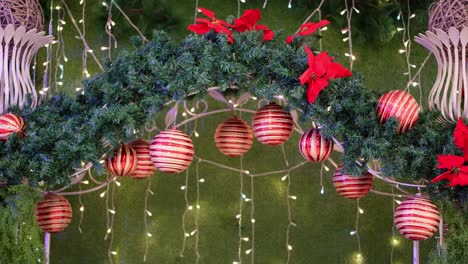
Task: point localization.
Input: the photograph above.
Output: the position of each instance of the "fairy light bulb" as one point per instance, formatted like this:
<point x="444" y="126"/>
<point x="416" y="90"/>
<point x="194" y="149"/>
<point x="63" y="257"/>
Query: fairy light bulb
<point x="114" y="253"/>
<point x="352" y="233"/>
<point x="149" y="213"/>
<point x="82" y="209"/>
<point x="361" y="211"/>
<point x="322" y="191"/>
<point x="103" y="194"/>
<point x="109" y="230"/>
<point x="149" y="234"/>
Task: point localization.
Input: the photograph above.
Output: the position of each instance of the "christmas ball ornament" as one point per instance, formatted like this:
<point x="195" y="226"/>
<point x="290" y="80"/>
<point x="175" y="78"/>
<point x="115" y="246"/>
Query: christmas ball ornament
<point x="171" y="151"/>
<point x="417" y="218"/>
<point x="352" y="187"/>
<point x="145" y="167"/>
<point x="54" y="213"/>
<point x="9" y="124"/>
<point x="402" y="106"/>
<point x="314" y="147"/>
<point x="233" y="137"/>
<point x="26" y="13"/>
<point x="123" y="163"/>
<point x="272" y="125"/>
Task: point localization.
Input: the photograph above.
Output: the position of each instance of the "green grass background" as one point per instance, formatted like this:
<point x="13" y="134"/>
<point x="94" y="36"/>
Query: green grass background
<point x="323" y="221"/>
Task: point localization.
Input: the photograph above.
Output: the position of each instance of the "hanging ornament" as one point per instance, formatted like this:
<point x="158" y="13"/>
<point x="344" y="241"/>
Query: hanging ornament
<point x="233" y="137"/>
<point x="9" y="124"/>
<point x="352" y="187"/>
<point x="417" y="218"/>
<point x="123" y="163"/>
<point x="272" y="125"/>
<point x="314" y="147"/>
<point x="402" y="106"/>
<point x="171" y="151"/>
<point x="26" y="13"/>
<point x="54" y="213"/>
<point x="145" y="167"/>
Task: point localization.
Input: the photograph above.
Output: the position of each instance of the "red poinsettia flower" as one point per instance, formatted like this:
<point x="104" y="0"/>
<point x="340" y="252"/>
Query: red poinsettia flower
<point x="456" y="173"/>
<point x="308" y="29"/>
<point x="248" y="22"/>
<point x="203" y="25"/>
<point x="321" y="69"/>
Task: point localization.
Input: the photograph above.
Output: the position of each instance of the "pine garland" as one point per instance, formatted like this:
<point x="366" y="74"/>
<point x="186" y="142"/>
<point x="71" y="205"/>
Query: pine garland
<point x="63" y="132"/>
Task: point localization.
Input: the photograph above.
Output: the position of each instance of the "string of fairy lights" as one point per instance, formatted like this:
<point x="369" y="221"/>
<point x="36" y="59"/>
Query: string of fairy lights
<point x="53" y="77"/>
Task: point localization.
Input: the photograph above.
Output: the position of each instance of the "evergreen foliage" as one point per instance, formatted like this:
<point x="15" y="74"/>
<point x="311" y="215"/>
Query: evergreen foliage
<point x="63" y="132"/>
<point x="20" y="237"/>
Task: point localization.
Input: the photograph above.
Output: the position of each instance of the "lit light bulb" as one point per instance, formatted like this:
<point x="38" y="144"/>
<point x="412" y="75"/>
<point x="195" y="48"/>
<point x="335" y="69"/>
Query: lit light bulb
<point x="248" y="251"/>
<point x="183" y="187"/>
<point x="202" y="180"/>
<point x="149" y="213"/>
<point x="149" y="234"/>
<point x="293" y="197"/>
<point x="190" y="207"/>
<point x="252" y="220"/>
<point x="284" y="177"/>
<point x="245" y="238"/>
<point x="361" y="211"/>
<point x="111" y="211"/>
<point x="322" y="191"/>
<point x="113" y="253"/>
<point x="81" y="208"/>
<point x="352" y="233"/>
<point x="109" y="230"/>
<point x="290" y="247"/>
<point x="102" y="194"/>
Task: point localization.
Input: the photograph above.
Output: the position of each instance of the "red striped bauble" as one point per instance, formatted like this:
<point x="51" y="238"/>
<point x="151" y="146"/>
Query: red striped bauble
<point x="54" y="213"/>
<point x="9" y="124"/>
<point x="145" y="167"/>
<point x="172" y="151"/>
<point x="401" y="105"/>
<point x="124" y="161"/>
<point x="314" y="147"/>
<point x="233" y="137"/>
<point x="352" y="187"/>
<point x="417" y="218"/>
<point x="272" y="125"/>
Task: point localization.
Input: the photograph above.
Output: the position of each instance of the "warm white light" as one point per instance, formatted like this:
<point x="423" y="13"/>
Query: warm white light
<point x="400" y="29"/>
<point x="401" y="51"/>
<point x="322" y="191"/>
<point x="252" y="220"/>
<point x="284" y="177"/>
<point x="245" y="238"/>
<point x="113" y="253"/>
<point x="248" y="251"/>
<point x="355" y="9"/>
<point x="361" y="211"/>
<point x="190" y="207"/>
<point x="397" y="201"/>
<point x="117" y="183"/>
<point x="109" y="230"/>
<point x="149" y="234"/>
<point x="202" y="180"/>
<point x="326" y="168"/>
<point x="148" y="213"/>
<point x="412" y="16"/>
<point x="290" y="247"/>
<point x="103" y="194"/>
<point x="81" y="208"/>
<point x="193" y="232"/>
<point x="343" y="11"/>
<point x="183" y="187"/>
<point x="238" y="216"/>
<point x="352" y="233"/>
<point x="196" y="133"/>
<point x="111" y="211"/>
<point x="293" y="197"/>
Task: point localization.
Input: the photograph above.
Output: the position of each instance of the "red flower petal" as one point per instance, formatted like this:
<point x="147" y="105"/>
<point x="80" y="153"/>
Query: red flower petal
<point x="322" y="65"/>
<point x="337" y="70"/>
<point x="199" y="28"/>
<point x="461" y="132"/>
<point x="268" y="34"/>
<point x="449" y="161"/>
<point x="448" y="175"/>
<point x="306" y="76"/>
<point x="309" y="27"/>
<point x="314" y="88"/>
<point x="290" y="39"/>
<point x="206" y="12"/>
<point x="461" y="179"/>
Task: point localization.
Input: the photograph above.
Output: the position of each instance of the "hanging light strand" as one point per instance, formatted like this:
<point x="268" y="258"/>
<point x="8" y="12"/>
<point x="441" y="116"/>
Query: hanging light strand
<point x="184" y="215"/>
<point x="197" y="213"/>
<point x="146" y="214"/>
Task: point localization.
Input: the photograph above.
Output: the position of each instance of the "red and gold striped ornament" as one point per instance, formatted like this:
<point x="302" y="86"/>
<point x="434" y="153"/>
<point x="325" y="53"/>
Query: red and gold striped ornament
<point x="417" y="218"/>
<point x="401" y="105"/>
<point x="172" y="151"/>
<point x="233" y="137"/>
<point x="54" y="213"/>
<point x="314" y="147"/>
<point x="124" y="162"/>
<point x="352" y="187"/>
<point x="9" y="124"/>
<point x="145" y="167"/>
<point x="272" y="125"/>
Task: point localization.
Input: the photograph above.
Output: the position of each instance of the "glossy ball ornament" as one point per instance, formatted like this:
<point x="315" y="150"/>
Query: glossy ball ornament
<point x="402" y="106"/>
<point x="272" y="125"/>
<point x="145" y="167"/>
<point x="54" y="213"/>
<point x="123" y="163"/>
<point x="172" y="151"/>
<point x="233" y="137"/>
<point x="417" y="218"/>
<point x="314" y="147"/>
<point x="352" y="187"/>
<point x="9" y="124"/>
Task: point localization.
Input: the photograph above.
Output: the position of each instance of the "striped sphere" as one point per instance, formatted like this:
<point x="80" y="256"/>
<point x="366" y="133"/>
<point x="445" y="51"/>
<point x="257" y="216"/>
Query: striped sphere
<point x="417" y="218"/>
<point x="54" y="213"/>
<point x="123" y="163"/>
<point x="9" y="124"/>
<point x="145" y="167"/>
<point x="272" y="125"/>
<point x="233" y="137"/>
<point x="401" y="105"/>
<point x="314" y="147"/>
<point x="172" y="151"/>
<point x="352" y="187"/>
